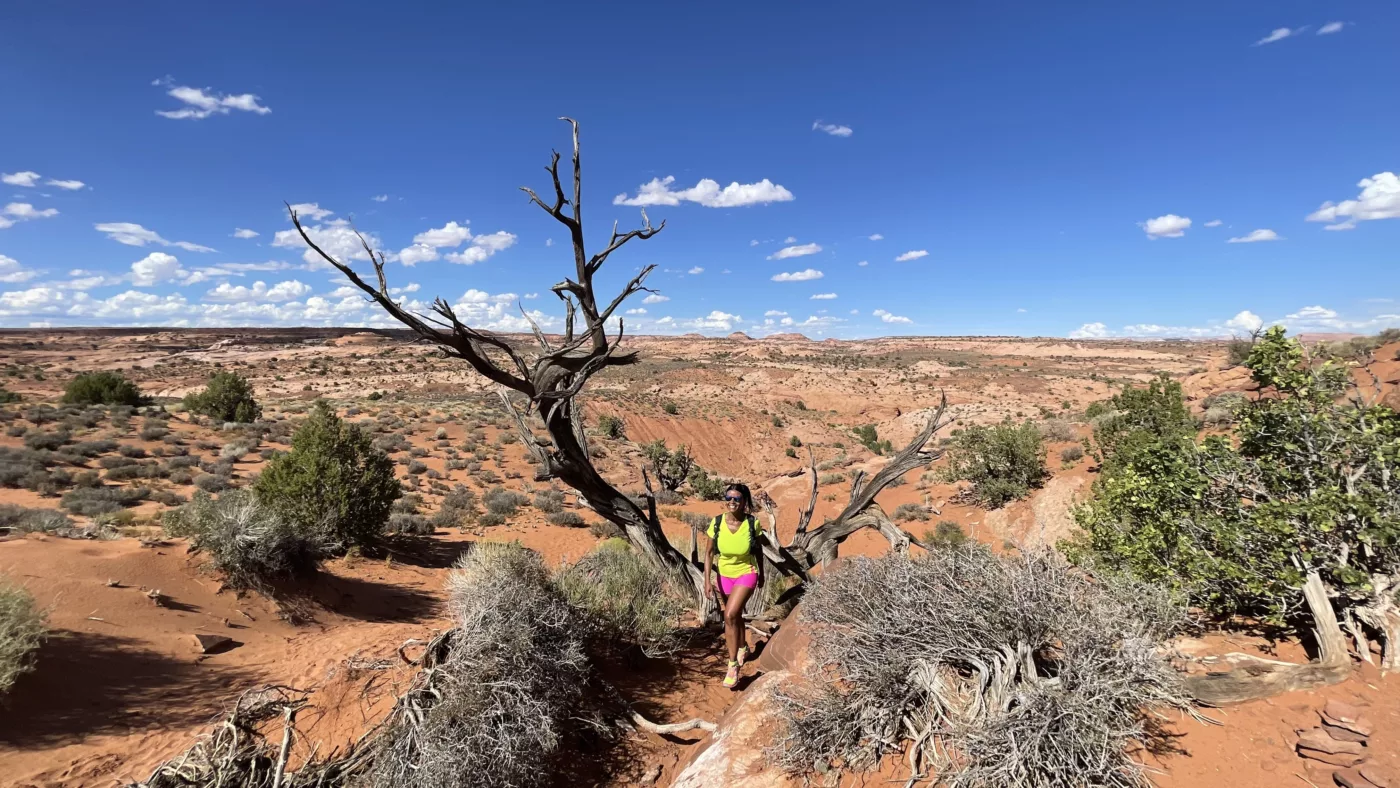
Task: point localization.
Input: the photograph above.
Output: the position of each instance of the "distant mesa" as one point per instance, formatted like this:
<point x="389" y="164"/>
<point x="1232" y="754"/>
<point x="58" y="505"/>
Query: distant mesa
<point x="790" y="337"/>
<point x="359" y="338"/>
<point x="693" y="335"/>
<point x="739" y="335"/>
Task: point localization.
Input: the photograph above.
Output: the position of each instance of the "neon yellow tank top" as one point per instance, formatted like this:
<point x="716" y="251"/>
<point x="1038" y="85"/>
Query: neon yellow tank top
<point x="734" y="559"/>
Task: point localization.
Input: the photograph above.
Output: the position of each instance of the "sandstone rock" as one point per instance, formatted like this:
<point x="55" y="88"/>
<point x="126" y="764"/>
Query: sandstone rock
<point x="734" y="757"/>
<point x="1318" y="739"/>
<point x="1382" y="776"/>
<point x="1343" y="734"/>
<point x="210" y="644"/>
<point x="1344" y="712"/>
<point x="1335" y="759"/>
<point x="1351" y="778"/>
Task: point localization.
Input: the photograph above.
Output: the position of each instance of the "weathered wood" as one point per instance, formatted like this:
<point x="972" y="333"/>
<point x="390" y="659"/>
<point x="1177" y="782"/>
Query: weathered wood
<point x="1253" y="678"/>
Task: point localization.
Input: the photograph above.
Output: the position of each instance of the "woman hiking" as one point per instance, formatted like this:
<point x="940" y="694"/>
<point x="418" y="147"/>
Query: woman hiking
<point x="736" y="538"/>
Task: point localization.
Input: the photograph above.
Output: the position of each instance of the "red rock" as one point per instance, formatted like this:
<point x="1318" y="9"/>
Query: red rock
<point x="212" y="643"/>
<point x="1382" y="776"/>
<point x="1338" y="710"/>
<point x="1359" y="725"/>
<point x="1335" y="759"/>
<point x="1351" y="778"/>
<point x="1318" y="739"/>
<point x="1342" y="734"/>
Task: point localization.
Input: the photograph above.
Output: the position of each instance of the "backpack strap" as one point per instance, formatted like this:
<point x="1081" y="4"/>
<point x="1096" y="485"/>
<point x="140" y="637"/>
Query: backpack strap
<point x="713" y="530"/>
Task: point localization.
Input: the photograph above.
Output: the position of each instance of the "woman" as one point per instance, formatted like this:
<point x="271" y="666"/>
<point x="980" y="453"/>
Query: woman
<point x="736" y="538"/>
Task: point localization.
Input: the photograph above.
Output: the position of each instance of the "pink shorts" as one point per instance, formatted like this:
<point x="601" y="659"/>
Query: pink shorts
<point x="728" y="584"/>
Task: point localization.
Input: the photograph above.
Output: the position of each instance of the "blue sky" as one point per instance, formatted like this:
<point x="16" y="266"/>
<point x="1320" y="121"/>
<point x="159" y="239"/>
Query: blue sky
<point x="1045" y="168"/>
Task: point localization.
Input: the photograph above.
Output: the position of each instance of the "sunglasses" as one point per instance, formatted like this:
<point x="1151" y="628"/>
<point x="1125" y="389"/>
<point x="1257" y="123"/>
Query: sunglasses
<point x="733" y="497"/>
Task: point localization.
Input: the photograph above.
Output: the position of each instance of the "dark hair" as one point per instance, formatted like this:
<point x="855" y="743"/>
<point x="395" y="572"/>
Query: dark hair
<point x="742" y="489"/>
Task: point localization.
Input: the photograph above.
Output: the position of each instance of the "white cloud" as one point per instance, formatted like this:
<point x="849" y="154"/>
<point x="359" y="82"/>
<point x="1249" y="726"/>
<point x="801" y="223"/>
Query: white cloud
<point x="1379" y="199"/>
<point x="411" y="287"/>
<point x="23" y="212"/>
<point x="548" y="242"/>
<point x="775" y="313"/>
<point x="822" y="296"/>
<point x="344" y="291"/>
<point x="26" y="178"/>
<point x="1246" y="321"/>
<point x="310" y="210"/>
<point x="655" y="298"/>
<point x="289" y="290"/>
<point x="715" y="321"/>
<point x="155" y="268"/>
<point x="71" y="186"/>
<point x="336" y="238"/>
<point x="530" y="296"/>
<point x="638" y="311"/>
<point x="239" y="232"/>
<point x="35" y="300"/>
<point x="890" y="318"/>
<point x="696" y="270"/>
<point x="133" y="305"/>
<point x="1255" y="236"/>
<point x="832" y="129"/>
<point x="754" y="242"/>
<point x="798" y="276"/>
<point x="482" y="247"/>
<point x="11" y="272"/>
<point x="1331" y="27"/>
<point x="133" y="234"/>
<point x="863" y="263"/>
<point x="877" y="237"/>
<point x="1166" y="226"/>
<point x="450" y="234"/>
<point x="1313" y="313"/>
<point x="911" y="255"/>
<point x="1090" y="331"/>
<point x="1278" y="34"/>
<point x="417" y="253"/>
<point x="795" y="251"/>
<point x="1214" y="223"/>
<point x="380" y="198"/>
<point x="791" y="239"/>
<point x="1021" y="310"/>
<point x="201" y="104"/>
<point x="707" y="193"/>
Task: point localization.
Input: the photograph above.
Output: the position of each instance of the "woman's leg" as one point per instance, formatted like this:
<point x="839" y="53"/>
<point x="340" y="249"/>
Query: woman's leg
<point x="734" y="632"/>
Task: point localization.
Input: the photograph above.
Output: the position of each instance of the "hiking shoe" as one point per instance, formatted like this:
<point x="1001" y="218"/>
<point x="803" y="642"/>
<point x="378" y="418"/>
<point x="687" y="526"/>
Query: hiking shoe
<point x="742" y="656"/>
<point x="732" y="677"/>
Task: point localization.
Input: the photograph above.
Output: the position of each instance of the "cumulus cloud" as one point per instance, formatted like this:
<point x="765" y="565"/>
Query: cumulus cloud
<point x="239" y="232"/>
<point x="911" y="255"/>
<point x="890" y="318"/>
<point x="1245" y="321"/>
<point x="23" y="212"/>
<point x="155" y="268"/>
<point x="25" y="178"/>
<point x="876" y="237"/>
<point x="133" y="234"/>
<point x="1379" y="199"/>
<point x="11" y="272"/>
<point x="822" y="296"/>
<point x="1090" y="331"/>
<point x="655" y="298"/>
<point x="310" y="210"/>
<point x="289" y="290"/>
<point x="1214" y="223"/>
<point x="707" y="193"/>
<point x="715" y="321"/>
<point x="337" y="238"/>
<point x="1166" y="226"/>
<point x="863" y="263"/>
<point x="798" y="276"/>
<point x="638" y="311"/>
<point x="832" y="129"/>
<point x="1331" y="27"/>
<point x="696" y="270"/>
<point x="1255" y="236"/>
<point x="795" y="251"/>
<point x="417" y="253"/>
<point x="775" y="313"/>
<point x="201" y="103"/>
<point x="450" y="234"/>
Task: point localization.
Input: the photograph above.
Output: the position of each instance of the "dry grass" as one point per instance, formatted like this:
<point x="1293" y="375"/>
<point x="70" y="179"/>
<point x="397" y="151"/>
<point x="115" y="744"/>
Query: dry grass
<point x="21" y="631"/>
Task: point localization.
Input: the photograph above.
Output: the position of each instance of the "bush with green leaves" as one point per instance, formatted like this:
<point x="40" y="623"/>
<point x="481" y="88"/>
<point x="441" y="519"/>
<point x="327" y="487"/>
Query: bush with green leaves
<point x="503" y="502"/>
<point x="26" y="520"/>
<point x="946" y="535"/>
<point x="101" y="388"/>
<point x="705" y="486"/>
<point x="22" y="630"/>
<point x="8" y="397"/>
<point x="672" y="468"/>
<point x="333" y="481"/>
<point x="458" y="508"/>
<point x="566" y="519"/>
<point x="93" y="501"/>
<point x="612" y="426"/>
<point x="228" y="396"/>
<point x="1004" y="462"/>
<point x="1135" y="415"/>
<point x="549" y="501"/>
<point x="870" y="439"/>
<point x="246" y="540"/>
<point x="625" y="598"/>
<point x="1307" y="481"/>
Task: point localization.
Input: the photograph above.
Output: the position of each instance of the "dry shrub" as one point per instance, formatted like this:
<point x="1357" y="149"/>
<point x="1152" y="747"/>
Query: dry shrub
<point x="498" y="709"/>
<point x="624" y="598"/>
<point x="1004" y="671"/>
<point x="247" y="541"/>
<point x="21" y="631"/>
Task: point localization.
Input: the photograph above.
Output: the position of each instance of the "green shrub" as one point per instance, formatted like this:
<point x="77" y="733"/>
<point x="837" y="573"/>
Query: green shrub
<point x="909" y="511"/>
<point x="1071" y="454"/>
<point x="945" y="535"/>
<point x="248" y="542"/>
<point x="92" y="501"/>
<point x="503" y="502"/>
<point x="612" y="427"/>
<point x="226" y="397"/>
<point x="705" y="486"/>
<point x="549" y="501"/>
<point x="1136" y="415"/>
<point x="624" y="598"/>
<point x="1056" y="430"/>
<point x="46" y="440"/>
<point x="22" y="630"/>
<point x="25" y="520"/>
<point x="491" y="520"/>
<point x="795" y="441"/>
<point x="101" y="388"/>
<point x="668" y="406"/>
<point x="1238" y="351"/>
<point x="790" y="452"/>
<point x="1003" y="462"/>
<point x="568" y="519"/>
<point x="870" y="439"/>
<point x="458" y="508"/>
<point x="1304" y="483"/>
<point x="671" y="467"/>
<point x="333" y="480"/>
<point x="8" y="397"/>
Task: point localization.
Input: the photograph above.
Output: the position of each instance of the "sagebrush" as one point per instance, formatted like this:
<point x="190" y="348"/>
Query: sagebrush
<point x="21" y="632"/>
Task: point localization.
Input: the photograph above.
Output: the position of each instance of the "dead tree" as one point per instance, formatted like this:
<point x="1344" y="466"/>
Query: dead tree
<point x="554" y="375"/>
